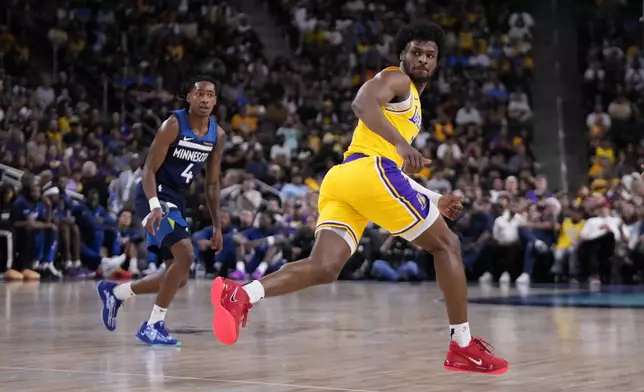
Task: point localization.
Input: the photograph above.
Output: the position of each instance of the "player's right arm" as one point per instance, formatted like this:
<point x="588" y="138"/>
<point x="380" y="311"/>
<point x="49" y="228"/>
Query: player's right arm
<point x="376" y="93"/>
<point x="167" y="133"/>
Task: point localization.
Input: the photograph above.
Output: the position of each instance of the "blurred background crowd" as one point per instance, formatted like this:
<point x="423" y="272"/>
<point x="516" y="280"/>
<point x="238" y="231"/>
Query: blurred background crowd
<point x="85" y="83"/>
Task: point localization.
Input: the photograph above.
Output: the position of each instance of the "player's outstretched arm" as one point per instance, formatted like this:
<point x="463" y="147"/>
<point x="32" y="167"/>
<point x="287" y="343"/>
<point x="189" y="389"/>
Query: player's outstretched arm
<point x="213" y="174"/>
<point x="376" y="93"/>
<point x="167" y="133"/>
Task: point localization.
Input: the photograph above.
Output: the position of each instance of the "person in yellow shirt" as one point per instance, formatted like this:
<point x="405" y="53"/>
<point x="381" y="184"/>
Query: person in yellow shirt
<point x="443" y="128"/>
<point x="566" y="247"/>
<point x="244" y="122"/>
<point x="605" y="150"/>
<point x="466" y="40"/>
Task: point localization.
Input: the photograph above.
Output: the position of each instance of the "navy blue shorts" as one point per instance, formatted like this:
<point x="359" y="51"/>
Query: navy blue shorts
<point x="173" y="228"/>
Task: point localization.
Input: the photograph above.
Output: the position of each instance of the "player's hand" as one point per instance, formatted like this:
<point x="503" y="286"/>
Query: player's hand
<point x="450" y="206"/>
<point x="413" y="160"/>
<point x="217" y="240"/>
<point x="154" y="221"/>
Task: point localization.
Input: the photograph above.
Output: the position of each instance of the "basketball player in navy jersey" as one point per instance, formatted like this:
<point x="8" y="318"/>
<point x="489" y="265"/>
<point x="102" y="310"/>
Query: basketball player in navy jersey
<point x="186" y="142"/>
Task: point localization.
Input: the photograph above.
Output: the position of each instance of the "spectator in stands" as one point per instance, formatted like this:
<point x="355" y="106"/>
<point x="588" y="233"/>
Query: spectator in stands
<point x="396" y="262"/>
<point x="477" y="231"/>
<point x="98" y="231"/>
<point x="599" y="237"/>
<point x="302" y="242"/>
<point x="262" y="246"/>
<point x="46" y="240"/>
<point x="565" y="251"/>
<point x="202" y="243"/>
<point x="130" y="238"/>
<point x="24" y="215"/>
<point x="537" y="234"/>
<point x="508" y="245"/>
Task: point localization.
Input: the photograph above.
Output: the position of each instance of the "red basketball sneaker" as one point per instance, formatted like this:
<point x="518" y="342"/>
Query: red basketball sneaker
<point x="231" y="305"/>
<point x="477" y="357"/>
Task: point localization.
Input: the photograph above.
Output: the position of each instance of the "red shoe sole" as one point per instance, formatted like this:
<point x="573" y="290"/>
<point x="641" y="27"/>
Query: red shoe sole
<point x="494" y="373"/>
<point x="223" y="323"/>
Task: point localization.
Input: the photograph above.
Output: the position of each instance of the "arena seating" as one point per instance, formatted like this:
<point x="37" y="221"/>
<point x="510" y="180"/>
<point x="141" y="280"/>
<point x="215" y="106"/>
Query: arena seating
<point x="290" y="120"/>
<point x="612" y="81"/>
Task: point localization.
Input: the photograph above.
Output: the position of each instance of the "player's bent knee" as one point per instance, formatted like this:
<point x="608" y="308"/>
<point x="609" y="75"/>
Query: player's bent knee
<point x="453" y="243"/>
<point x="439" y="238"/>
<point x="183" y="253"/>
<point x="327" y="269"/>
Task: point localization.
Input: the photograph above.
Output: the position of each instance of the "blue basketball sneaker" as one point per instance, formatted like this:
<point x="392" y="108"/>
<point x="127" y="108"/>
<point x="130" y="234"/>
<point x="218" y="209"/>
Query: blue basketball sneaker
<point x="156" y="335"/>
<point x="111" y="304"/>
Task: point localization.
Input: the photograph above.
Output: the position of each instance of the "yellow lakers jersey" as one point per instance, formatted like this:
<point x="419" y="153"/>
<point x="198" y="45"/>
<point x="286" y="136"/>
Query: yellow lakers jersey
<point x="406" y="117"/>
<point x="569" y="233"/>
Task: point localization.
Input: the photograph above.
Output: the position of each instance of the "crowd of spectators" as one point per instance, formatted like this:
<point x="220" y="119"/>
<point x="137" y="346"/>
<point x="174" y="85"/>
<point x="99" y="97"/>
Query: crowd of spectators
<point x="612" y="89"/>
<point x="288" y="120"/>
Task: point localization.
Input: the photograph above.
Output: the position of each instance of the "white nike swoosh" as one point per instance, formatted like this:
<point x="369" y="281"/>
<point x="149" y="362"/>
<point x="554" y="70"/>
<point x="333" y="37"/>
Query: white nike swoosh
<point x="477" y="362"/>
<point x="187" y="139"/>
<point x="233" y="297"/>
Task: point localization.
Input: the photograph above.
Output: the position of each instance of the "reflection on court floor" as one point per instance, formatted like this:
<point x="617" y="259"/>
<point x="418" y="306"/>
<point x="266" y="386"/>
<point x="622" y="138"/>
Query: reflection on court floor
<point x="567" y="296"/>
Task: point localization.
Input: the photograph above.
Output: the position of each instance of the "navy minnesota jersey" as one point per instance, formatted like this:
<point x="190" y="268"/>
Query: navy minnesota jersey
<point x="184" y="161"/>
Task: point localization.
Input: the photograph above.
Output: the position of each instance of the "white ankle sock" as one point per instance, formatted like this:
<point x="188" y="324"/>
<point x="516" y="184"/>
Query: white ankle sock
<point x="241" y="266"/>
<point x="124" y="291"/>
<point x="134" y="264"/>
<point x="255" y="291"/>
<point x="158" y="314"/>
<point x="461" y="334"/>
<point x="262" y="267"/>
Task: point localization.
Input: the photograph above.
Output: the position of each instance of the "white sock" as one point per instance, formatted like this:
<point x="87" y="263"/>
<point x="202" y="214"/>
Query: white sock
<point x="255" y="291"/>
<point x="124" y="291"/>
<point x="119" y="259"/>
<point x="461" y="334"/>
<point x="134" y="264"/>
<point x="262" y="267"/>
<point x="78" y="264"/>
<point x="241" y="266"/>
<point x="158" y="314"/>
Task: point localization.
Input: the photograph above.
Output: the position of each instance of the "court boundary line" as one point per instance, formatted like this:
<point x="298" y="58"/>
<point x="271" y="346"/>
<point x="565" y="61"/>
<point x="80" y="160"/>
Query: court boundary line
<point x="186" y="378"/>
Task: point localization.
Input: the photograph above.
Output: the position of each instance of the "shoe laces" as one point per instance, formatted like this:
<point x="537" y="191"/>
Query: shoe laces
<point x="248" y="306"/>
<point x="483" y="345"/>
<point x="163" y="329"/>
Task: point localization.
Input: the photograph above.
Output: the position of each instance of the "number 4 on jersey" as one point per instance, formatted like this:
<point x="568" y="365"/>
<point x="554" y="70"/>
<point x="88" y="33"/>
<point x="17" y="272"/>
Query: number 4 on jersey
<point x="187" y="174"/>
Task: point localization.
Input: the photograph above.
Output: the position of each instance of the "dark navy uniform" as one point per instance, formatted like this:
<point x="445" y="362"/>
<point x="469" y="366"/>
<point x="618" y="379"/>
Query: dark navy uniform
<point x="185" y="160"/>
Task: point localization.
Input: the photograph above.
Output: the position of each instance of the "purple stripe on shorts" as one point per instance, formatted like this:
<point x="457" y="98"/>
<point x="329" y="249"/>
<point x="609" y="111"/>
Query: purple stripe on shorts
<point x="416" y="202"/>
<point x="353" y="157"/>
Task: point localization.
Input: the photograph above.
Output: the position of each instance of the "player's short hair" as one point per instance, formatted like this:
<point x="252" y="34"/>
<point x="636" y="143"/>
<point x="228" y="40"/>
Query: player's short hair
<point x="420" y="31"/>
<point x="190" y="84"/>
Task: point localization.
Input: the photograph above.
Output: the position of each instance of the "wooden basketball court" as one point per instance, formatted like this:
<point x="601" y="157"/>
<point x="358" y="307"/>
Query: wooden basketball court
<point x="356" y="337"/>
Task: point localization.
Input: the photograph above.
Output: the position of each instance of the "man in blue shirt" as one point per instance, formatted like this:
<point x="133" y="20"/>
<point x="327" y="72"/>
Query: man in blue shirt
<point x="49" y="212"/>
<point x="129" y="238"/>
<point x="24" y="215"/>
<point x="263" y="243"/>
<point x="94" y="222"/>
<point x="201" y="241"/>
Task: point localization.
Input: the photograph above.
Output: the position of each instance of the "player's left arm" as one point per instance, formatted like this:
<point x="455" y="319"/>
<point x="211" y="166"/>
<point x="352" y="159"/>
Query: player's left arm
<point x="213" y="173"/>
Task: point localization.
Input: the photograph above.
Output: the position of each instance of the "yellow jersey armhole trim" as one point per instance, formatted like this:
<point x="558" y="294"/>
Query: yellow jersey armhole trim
<point x="393" y="69"/>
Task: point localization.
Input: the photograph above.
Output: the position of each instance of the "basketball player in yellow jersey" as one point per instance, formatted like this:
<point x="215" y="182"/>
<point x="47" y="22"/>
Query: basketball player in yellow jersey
<point x="370" y="185"/>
